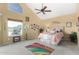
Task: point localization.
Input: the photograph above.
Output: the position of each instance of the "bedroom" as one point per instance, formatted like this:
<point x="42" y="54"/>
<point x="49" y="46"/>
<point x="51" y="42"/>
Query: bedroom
<point x="62" y="16"/>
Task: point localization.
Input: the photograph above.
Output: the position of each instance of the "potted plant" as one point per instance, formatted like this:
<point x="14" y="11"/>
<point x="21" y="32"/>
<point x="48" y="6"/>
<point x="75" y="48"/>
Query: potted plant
<point x="73" y="37"/>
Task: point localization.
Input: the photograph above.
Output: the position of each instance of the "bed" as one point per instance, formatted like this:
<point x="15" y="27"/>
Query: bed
<point x="54" y="36"/>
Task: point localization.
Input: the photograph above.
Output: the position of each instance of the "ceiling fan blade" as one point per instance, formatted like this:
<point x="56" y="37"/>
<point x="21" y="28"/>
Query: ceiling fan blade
<point x="38" y="9"/>
<point x="38" y="12"/>
<point x="43" y="12"/>
<point x="44" y="7"/>
<point x="47" y="10"/>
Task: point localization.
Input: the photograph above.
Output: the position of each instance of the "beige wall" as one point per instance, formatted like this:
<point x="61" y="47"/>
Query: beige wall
<point x="2" y="32"/>
<point x="62" y="22"/>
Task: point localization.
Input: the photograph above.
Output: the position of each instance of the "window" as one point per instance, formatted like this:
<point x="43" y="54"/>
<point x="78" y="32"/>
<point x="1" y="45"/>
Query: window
<point x="14" y="28"/>
<point x="14" y="7"/>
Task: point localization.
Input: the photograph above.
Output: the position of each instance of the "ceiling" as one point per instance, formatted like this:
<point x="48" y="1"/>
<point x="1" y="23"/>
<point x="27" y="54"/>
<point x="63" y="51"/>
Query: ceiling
<point x="58" y="9"/>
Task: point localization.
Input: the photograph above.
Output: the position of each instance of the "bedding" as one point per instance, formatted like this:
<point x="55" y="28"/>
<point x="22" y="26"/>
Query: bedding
<point x="56" y="38"/>
<point x="44" y="37"/>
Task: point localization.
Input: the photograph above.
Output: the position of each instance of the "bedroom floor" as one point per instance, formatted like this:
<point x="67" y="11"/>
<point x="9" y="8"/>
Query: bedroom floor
<point x="65" y="48"/>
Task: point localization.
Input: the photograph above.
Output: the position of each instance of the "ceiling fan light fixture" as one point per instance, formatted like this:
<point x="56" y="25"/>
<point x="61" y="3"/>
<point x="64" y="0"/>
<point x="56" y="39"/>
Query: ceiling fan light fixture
<point x="43" y="10"/>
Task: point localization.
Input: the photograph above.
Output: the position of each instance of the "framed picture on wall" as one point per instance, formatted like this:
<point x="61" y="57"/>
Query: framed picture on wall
<point x="27" y="19"/>
<point x="77" y="23"/>
<point x="68" y="24"/>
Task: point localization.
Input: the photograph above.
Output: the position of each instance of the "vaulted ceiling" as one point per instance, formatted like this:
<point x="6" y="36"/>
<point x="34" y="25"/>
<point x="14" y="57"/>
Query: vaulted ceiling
<point x="58" y="9"/>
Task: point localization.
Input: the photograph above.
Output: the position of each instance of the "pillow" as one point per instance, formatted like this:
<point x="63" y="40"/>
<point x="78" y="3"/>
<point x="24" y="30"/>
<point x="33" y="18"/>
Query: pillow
<point x="52" y="32"/>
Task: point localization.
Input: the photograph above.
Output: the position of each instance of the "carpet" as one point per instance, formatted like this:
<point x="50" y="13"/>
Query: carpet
<point x="39" y="49"/>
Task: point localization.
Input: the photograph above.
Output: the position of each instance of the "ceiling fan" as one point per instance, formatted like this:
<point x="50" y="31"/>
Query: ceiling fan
<point x="43" y="10"/>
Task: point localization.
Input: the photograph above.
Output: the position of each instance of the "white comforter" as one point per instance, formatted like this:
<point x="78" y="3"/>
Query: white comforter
<point x="53" y="39"/>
